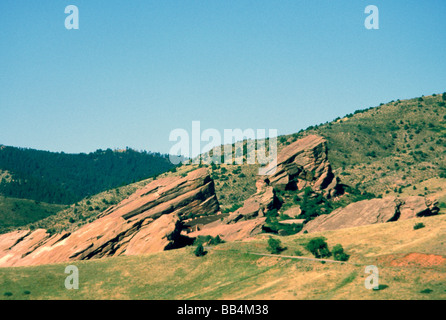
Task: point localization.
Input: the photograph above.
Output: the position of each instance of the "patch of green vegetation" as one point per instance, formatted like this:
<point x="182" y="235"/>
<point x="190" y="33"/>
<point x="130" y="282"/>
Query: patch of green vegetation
<point x="426" y="291"/>
<point x="418" y="225"/>
<point x="199" y="251"/>
<point x="275" y="246"/>
<point x="339" y="254"/>
<point x="318" y="247"/>
<point x="19" y="212"/>
<point x="208" y="240"/>
<point x="233" y="208"/>
<point x="273" y="225"/>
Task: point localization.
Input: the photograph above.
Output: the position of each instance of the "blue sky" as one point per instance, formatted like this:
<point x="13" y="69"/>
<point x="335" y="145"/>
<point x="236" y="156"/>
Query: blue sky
<point x="135" y="70"/>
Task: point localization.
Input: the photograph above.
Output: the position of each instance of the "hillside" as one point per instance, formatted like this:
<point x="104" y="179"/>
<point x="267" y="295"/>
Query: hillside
<point x="409" y="261"/>
<point x="390" y="149"/>
<point x="66" y="178"/>
<point x="374" y="167"/>
<point x="18" y="212"/>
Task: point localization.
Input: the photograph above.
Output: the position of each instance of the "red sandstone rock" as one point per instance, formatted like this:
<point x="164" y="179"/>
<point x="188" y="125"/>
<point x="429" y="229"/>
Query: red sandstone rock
<point x="370" y="212"/>
<point x="147" y="221"/>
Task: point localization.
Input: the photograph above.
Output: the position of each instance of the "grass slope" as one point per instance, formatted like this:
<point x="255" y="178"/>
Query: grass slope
<point x="18" y="212"/>
<point x="228" y="271"/>
<point x="390" y="147"/>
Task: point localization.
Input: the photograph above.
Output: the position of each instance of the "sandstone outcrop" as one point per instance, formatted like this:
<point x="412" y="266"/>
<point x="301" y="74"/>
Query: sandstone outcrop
<point x="293" y="212"/>
<point x="232" y="232"/>
<point x="373" y="211"/>
<point x="147" y="221"/>
<point x="304" y="163"/>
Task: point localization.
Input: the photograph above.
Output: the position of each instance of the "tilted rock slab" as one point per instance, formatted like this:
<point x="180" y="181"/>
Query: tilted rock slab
<point x="373" y="211"/>
<point x="238" y="231"/>
<point x="304" y="163"/>
<point x="147" y="221"/>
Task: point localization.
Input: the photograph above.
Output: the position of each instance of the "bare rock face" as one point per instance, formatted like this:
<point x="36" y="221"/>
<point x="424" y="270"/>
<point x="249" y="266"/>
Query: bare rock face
<point x="416" y="206"/>
<point x="302" y="164"/>
<point x="255" y="206"/>
<point x="293" y="212"/>
<point x="372" y="211"/>
<point x="147" y="221"/>
<point x="241" y="230"/>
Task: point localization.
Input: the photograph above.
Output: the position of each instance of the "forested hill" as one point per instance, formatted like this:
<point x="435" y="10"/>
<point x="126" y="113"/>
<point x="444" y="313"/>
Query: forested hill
<point x="66" y="178"/>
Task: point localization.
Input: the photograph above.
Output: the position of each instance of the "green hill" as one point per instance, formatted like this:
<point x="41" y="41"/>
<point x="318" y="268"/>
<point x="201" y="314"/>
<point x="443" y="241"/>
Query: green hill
<point x="388" y="149"/>
<point x="393" y="146"/>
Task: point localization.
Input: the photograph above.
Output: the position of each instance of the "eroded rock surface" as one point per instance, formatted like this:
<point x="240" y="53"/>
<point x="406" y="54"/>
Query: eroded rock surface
<point x="147" y="221"/>
<point x="304" y="163"/>
<point x="373" y="211"/>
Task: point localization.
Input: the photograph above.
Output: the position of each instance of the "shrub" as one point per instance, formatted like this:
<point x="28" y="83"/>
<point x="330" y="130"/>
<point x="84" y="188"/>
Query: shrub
<point x="275" y="246"/>
<point x="318" y="247"/>
<point x="208" y="240"/>
<point x="216" y="240"/>
<point x="426" y="291"/>
<point x="7" y="294"/>
<point x="339" y="254"/>
<point x="418" y="225"/>
<point x="199" y="251"/>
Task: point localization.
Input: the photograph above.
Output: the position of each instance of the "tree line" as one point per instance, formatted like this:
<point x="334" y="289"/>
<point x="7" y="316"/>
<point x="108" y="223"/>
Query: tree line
<point x="67" y="178"/>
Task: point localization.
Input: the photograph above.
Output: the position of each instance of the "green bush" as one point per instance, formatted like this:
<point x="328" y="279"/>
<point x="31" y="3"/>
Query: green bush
<point x="199" y="251"/>
<point x="318" y="247"/>
<point x="339" y="254"/>
<point x="426" y="291"/>
<point x="275" y="246"/>
<point x="208" y="240"/>
<point x="418" y="225"/>
<point x="216" y="240"/>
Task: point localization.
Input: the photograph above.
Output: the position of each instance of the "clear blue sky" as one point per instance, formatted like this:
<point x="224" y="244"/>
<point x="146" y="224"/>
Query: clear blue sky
<point x="135" y="70"/>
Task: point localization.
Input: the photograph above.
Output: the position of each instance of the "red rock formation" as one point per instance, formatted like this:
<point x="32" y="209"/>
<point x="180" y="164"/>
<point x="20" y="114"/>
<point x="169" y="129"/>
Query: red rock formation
<point x="304" y="163"/>
<point x="147" y="221"/>
<point x="301" y="164"/>
<point x="232" y="232"/>
<point x="372" y="211"/>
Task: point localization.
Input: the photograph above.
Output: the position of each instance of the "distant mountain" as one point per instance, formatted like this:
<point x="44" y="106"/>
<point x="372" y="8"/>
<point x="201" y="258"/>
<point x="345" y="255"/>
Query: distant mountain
<point x="67" y="178"/>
